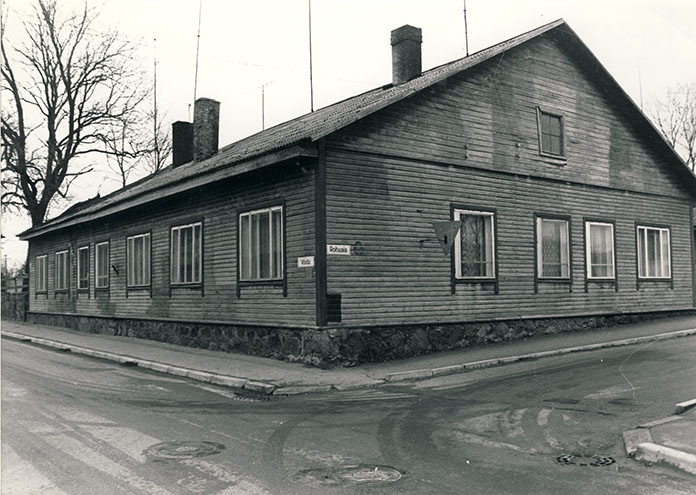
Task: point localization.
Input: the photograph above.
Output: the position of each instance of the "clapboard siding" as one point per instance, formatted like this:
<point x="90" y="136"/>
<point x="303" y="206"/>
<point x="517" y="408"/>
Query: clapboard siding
<point x="487" y="118"/>
<point x="472" y="140"/>
<point x="404" y="277"/>
<point x="217" y="300"/>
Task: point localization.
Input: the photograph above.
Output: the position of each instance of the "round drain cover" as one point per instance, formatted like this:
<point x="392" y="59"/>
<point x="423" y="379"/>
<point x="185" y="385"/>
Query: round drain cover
<point x="364" y="473"/>
<point x="594" y="461"/>
<point x="183" y="450"/>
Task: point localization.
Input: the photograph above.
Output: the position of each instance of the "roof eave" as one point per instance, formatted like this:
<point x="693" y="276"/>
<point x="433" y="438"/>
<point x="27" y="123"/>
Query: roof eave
<point x="299" y="150"/>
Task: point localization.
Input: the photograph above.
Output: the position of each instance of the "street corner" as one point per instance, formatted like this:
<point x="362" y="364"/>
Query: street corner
<point x="634" y="438"/>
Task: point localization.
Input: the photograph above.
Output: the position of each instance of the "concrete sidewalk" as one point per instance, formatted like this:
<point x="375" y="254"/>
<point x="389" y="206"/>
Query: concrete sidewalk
<point x="280" y="377"/>
<point x="671" y="440"/>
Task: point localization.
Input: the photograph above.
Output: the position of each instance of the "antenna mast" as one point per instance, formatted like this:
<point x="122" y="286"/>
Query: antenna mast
<point x="466" y="32"/>
<point x="263" y="105"/>
<point x="311" y="81"/>
<point x="154" y="112"/>
<point x="198" y="47"/>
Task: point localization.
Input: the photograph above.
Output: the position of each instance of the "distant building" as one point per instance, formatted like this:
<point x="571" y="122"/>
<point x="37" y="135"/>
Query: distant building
<point x="480" y="200"/>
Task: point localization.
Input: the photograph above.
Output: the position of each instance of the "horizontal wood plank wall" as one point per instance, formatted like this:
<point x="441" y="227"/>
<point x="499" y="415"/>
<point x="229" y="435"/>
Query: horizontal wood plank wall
<point x="217" y="300"/>
<point x="473" y="141"/>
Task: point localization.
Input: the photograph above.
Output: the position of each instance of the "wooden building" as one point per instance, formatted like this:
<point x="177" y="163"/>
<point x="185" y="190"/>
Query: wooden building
<point x="514" y="191"/>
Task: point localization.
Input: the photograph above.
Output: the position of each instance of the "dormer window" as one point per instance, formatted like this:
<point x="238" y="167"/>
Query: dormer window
<point x="550" y="134"/>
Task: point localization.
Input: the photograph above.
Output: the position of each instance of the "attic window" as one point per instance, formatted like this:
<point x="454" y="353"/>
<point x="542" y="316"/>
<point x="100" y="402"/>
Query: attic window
<point x="550" y="128"/>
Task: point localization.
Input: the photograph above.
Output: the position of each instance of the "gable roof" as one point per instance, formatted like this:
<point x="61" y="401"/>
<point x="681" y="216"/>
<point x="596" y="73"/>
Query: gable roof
<point x="294" y="137"/>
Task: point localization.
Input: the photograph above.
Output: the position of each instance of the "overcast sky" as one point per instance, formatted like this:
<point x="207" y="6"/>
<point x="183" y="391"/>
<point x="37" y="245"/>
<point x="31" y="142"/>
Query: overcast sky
<point x="647" y="45"/>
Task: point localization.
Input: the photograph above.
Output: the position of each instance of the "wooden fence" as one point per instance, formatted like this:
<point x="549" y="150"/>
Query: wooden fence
<point x="15" y="298"/>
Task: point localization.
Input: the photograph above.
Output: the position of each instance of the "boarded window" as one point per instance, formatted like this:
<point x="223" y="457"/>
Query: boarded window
<point x="41" y="274"/>
<point x="62" y="270"/>
<point x="600" y="250"/>
<point x="553" y="257"/>
<point x="138" y="260"/>
<point x="186" y="254"/>
<point x="475" y="245"/>
<point x="261" y="244"/>
<point x="101" y="263"/>
<point x="83" y="268"/>
<point x="654" y="259"/>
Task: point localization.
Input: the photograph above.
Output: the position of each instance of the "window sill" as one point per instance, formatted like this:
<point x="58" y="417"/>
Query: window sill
<point x="558" y="160"/>
<point x="248" y="283"/>
<point x="280" y="283"/>
<point x="139" y="288"/>
<point x="486" y="282"/>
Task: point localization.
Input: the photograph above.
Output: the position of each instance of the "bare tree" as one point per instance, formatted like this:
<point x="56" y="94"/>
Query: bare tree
<point x="675" y="116"/>
<point x="69" y="89"/>
<point x="159" y="148"/>
<point x="138" y="148"/>
<point x="124" y="148"/>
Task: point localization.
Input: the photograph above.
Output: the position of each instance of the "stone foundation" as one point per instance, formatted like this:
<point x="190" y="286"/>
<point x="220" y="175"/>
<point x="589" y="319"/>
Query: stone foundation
<point x="337" y="346"/>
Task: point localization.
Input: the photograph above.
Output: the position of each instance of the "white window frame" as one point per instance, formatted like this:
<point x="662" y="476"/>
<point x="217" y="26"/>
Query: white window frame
<point x="145" y="262"/>
<point x="565" y="253"/>
<point x="490" y="248"/>
<point x="664" y="270"/>
<point x="250" y="269"/>
<point x="62" y="270"/>
<point x="41" y="272"/>
<point x="180" y="254"/>
<point x="80" y="268"/>
<point x="99" y="277"/>
<point x="588" y="256"/>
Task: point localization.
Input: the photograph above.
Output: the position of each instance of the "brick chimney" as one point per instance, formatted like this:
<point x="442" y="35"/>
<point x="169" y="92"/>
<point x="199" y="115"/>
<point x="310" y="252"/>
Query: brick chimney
<point x="182" y="143"/>
<point x="406" y="53"/>
<point x="206" y="123"/>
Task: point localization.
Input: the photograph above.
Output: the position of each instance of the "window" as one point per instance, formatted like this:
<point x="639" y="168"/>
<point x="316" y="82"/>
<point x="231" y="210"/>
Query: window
<point x="138" y="260"/>
<point x="101" y="265"/>
<point x="62" y="270"/>
<point x="553" y="248"/>
<point x="186" y="254"/>
<point x="261" y="244"/>
<point x="654" y="253"/>
<point x="599" y="237"/>
<point x="83" y="268"/>
<point x="475" y="245"/>
<point x="41" y="274"/>
<point x="550" y="133"/>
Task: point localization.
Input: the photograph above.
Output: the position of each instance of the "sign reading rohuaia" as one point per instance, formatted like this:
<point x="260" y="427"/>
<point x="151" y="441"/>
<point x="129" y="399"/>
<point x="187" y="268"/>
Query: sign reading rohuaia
<point x="338" y="249"/>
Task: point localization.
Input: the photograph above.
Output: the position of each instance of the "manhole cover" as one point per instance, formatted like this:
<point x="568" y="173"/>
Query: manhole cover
<point x="361" y="474"/>
<point x="183" y="450"/>
<point x="594" y="461"/>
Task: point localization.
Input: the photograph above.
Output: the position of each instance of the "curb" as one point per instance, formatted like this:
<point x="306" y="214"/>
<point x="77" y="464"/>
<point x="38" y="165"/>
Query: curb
<point x="639" y="444"/>
<point x="682" y="407"/>
<point x="487" y="363"/>
<point x="197" y="375"/>
<point x="412" y="375"/>
<point x="653" y="453"/>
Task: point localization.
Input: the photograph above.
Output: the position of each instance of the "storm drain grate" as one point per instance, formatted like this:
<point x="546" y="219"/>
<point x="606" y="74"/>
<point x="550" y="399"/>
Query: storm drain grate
<point x="183" y="450"/>
<point x="360" y="474"/>
<point x="594" y="461"/>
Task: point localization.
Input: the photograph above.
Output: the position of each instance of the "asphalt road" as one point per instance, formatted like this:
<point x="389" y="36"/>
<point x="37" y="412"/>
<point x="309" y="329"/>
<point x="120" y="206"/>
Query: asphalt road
<point x="76" y="425"/>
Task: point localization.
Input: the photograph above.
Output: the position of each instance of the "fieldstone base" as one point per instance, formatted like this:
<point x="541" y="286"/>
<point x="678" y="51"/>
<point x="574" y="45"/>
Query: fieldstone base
<point x="337" y="346"/>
